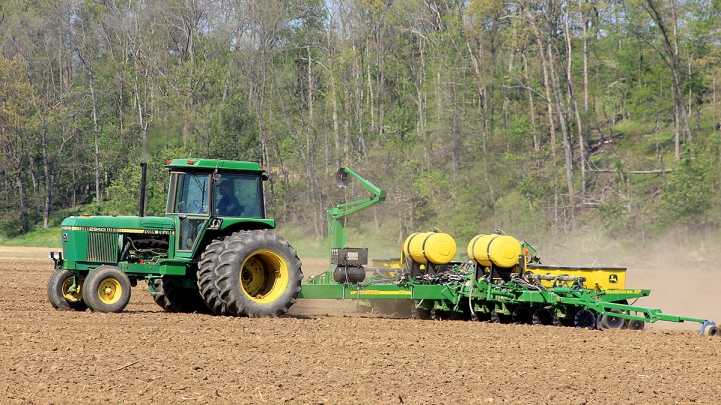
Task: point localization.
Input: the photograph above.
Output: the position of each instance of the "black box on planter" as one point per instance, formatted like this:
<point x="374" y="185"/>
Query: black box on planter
<point x="349" y="256"/>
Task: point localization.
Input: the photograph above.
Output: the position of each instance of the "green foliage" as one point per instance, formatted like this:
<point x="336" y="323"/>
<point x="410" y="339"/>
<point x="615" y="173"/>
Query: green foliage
<point x="533" y="188"/>
<point x="15" y="223"/>
<point x="615" y="219"/>
<point x="444" y="107"/>
<point x="36" y="237"/>
<point x="517" y="215"/>
<point x="124" y="192"/>
<point x="234" y="132"/>
<point x="434" y="195"/>
<point x="686" y="197"/>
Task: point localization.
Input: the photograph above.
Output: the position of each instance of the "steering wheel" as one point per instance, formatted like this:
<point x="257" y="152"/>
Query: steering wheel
<point x="197" y="207"/>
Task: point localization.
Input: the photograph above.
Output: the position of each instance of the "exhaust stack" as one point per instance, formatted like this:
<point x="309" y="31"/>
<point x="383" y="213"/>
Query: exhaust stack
<point x="143" y="171"/>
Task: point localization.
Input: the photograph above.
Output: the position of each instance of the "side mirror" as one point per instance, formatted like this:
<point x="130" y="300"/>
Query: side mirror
<point x="216" y="178"/>
<point x="264" y="177"/>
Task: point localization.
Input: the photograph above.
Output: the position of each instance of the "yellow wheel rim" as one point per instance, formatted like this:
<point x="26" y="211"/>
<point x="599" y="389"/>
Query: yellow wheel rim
<point x="69" y="294"/>
<point x="110" y="291"/>
<point x="264" y="276"/>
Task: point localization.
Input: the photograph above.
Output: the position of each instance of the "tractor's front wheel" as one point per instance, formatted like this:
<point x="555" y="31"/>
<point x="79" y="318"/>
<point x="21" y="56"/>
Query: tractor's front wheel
<point x="258" y="274"/>
<point x="65" y="291"/>
<point x="107" y="289"/>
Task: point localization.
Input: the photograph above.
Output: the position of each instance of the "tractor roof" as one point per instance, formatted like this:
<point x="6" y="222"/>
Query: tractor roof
<point x="211" y="164"/>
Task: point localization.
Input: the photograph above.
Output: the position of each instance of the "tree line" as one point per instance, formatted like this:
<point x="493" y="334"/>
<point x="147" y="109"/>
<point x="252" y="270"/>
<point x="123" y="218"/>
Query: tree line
<point x="535" y="116"/>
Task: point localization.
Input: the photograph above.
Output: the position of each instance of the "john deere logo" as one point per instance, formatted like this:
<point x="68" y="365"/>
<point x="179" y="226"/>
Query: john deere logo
<point x="613" y="279"/>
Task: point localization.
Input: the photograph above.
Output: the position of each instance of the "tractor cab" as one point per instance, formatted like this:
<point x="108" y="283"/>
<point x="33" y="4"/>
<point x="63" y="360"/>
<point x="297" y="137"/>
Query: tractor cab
<point x="212" y="194"/>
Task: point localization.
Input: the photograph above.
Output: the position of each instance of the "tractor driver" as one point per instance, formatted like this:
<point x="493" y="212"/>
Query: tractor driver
<point x="228" y="205"/>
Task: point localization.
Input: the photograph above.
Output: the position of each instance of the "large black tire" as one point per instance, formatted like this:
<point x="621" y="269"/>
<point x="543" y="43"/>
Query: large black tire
<point x="184" y="300"/>
<point x="159" y="296"/>
<point x="206" y="276"/>
<point x="258" y="274"/>
<point x="58" y="291"/>
<point x="107" y="289"/>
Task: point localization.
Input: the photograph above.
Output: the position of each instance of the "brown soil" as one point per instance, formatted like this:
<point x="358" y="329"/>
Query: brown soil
<point x="324" y="352"/>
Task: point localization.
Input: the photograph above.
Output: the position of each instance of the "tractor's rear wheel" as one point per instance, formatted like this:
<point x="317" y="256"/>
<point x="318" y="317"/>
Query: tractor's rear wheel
<point x="206" y="276"/>
<point x="185" y="300"/>
<point x="61" y="293"/>
<point x="107" y="289"/>
<point x="258" y="274"/>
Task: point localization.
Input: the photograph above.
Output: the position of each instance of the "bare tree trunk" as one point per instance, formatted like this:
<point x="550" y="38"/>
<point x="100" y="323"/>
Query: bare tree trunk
<point x="380" y="82"/>
<point x="371" y="106"/>
<point x="551" y="127"/>
<point x="586" y="118"/>
<point x="478" y="62"/>
<point x="121" y="108"/>
<point x="419" y="79"/>
<point x="316" y="202"/>
<point x="584" y="24"/>
<point x="677" y="73"/>
<point x="46" y="172"/>
<point x="506" y="100"/>
<point x="567" y="150"/>
<point x="143" y="124"/>
<point x="310" y="84"/>
<point x="671" y="58"/>
<point x="21" y="190"/>
<point x="532" y="109"/>
<point x="336" y="131"/>
<point x="96" y="132"/>
<point x="573" y="104"/>
<point x="358" y="83"/>
<point x="676" y="135"/>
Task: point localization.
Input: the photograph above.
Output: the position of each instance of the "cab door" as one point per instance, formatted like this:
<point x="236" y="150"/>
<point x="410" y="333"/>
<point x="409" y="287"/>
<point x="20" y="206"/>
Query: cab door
<point x="189" y="199"/>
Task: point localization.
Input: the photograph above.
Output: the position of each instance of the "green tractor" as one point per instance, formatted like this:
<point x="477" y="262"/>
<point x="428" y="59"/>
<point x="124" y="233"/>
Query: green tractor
<point x="214" y="251"/>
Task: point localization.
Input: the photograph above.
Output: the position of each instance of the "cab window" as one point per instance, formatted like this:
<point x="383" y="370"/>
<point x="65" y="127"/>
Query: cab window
<point x="238" y="195"/>
<point x="191" y="194"/>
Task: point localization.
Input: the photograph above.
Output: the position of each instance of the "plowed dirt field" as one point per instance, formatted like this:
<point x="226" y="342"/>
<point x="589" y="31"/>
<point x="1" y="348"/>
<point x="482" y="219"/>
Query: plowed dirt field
<point x="324" y="352"/>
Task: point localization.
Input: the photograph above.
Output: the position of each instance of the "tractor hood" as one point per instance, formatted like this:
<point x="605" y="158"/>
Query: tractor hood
<point x="89" y="241"/>
<point x="148" y="225"/>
